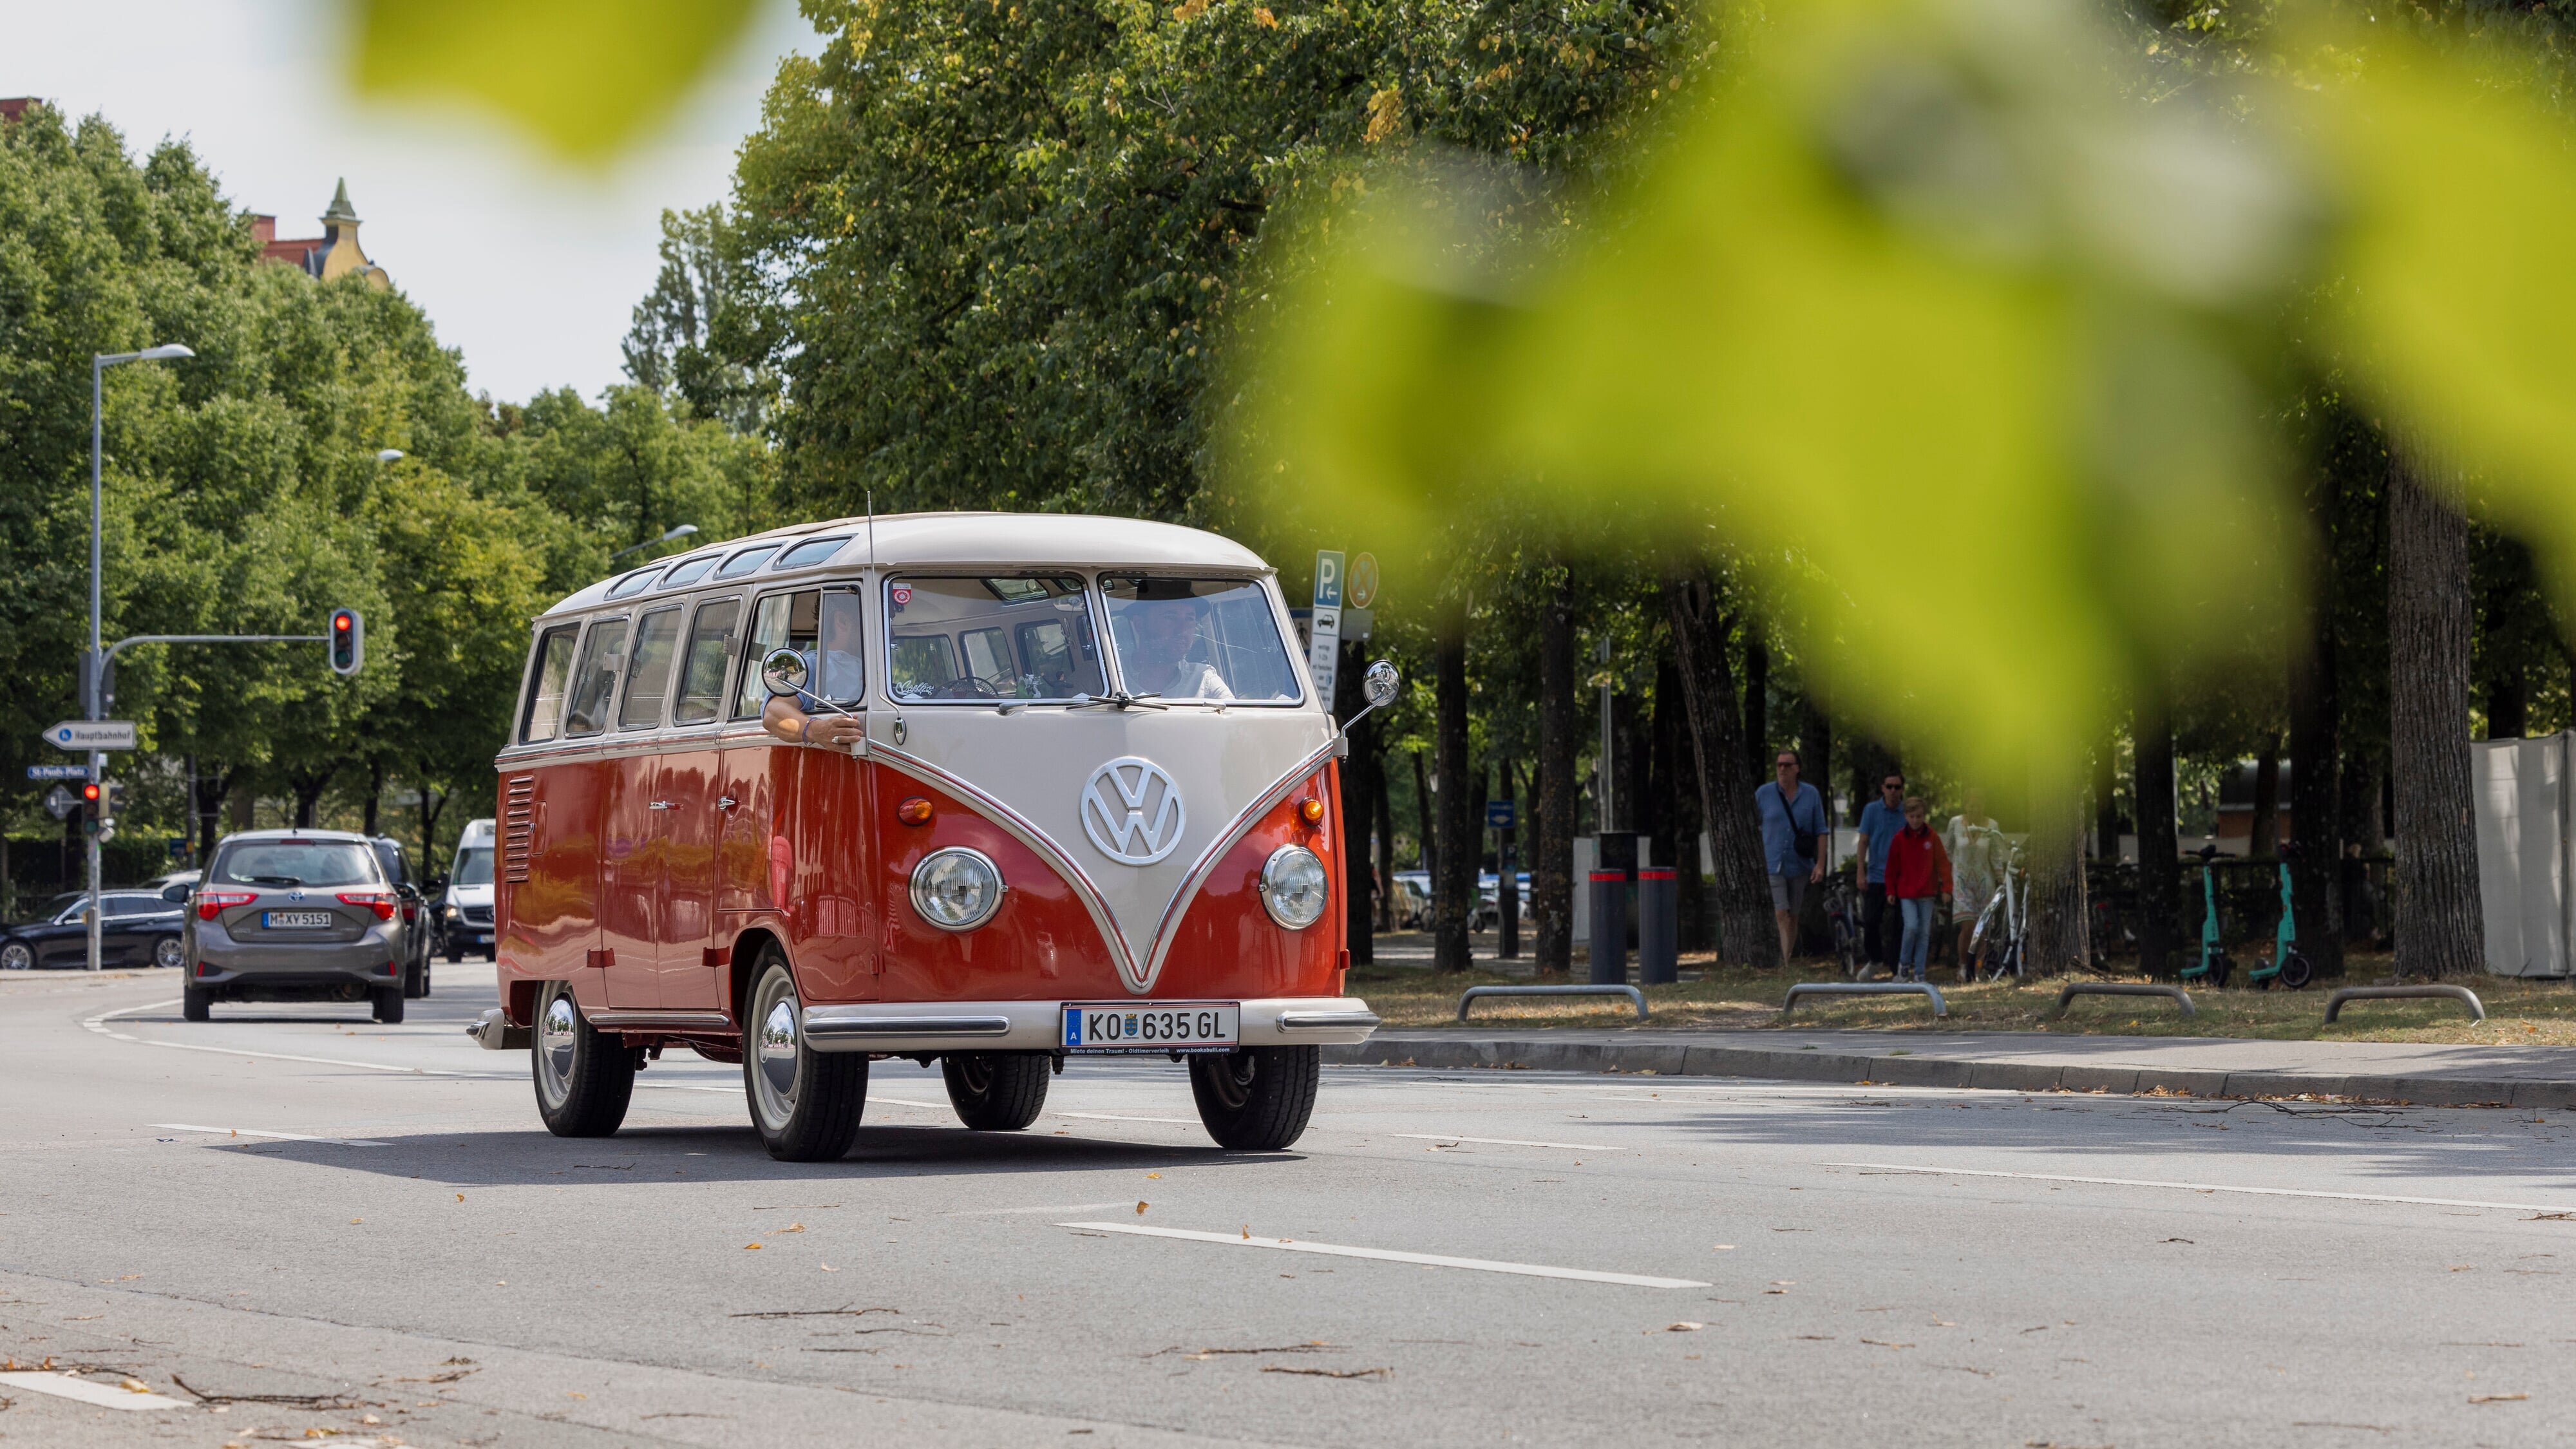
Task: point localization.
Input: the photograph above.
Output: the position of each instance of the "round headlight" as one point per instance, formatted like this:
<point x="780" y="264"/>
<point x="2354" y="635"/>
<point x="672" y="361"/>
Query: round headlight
<point x="1292" y="887"/>
<point x="956" y="889"/>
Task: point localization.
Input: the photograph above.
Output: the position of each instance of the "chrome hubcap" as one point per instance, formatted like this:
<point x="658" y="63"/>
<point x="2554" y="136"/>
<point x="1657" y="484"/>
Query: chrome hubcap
<point x="775" y="1051"/>
<point x="558" y="1032"/>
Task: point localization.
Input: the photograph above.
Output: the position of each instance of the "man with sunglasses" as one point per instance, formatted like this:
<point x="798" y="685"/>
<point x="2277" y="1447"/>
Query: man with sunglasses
<point x="1880" y="820"/>
<point x="1793" y="816"/>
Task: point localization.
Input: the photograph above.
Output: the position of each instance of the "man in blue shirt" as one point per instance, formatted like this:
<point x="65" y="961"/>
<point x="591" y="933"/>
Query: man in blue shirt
<point x="1789" y="810"/>
<point x="1880" y="819"/>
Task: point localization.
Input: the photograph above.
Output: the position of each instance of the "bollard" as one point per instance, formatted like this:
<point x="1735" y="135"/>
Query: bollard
<point x="1659" y="899"/>
<point x="1609" y="927"/>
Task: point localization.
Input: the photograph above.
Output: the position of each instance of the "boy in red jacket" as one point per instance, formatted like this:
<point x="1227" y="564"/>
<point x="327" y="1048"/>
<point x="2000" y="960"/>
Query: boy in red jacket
<point x="1918" y="874"/>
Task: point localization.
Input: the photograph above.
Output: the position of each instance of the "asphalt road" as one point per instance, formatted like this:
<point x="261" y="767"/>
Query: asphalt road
<point x="393" y="1246"/>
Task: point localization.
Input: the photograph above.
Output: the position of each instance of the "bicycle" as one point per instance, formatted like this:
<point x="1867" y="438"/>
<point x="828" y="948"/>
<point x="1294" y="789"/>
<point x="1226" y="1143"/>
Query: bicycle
<point x="1842" y="917"/>
<point x="2005" y="922"/>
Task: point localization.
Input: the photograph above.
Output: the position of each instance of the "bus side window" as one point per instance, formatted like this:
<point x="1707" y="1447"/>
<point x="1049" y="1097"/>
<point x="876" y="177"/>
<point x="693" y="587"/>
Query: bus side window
<point x="779" y="621"/>
<point x="594" y="681"/>
<point x="702" y="673"/>
<point x="649" y="682"/>
<point x="548" y="670"/>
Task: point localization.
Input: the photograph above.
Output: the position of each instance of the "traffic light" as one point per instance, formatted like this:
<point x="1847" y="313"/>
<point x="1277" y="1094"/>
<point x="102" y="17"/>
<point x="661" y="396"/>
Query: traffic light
<point x="348" y="641"/>
<point x="101" y="799"/>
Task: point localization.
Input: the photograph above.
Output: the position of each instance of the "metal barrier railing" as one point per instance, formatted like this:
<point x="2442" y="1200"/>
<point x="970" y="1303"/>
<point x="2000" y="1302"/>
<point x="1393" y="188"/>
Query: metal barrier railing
<point x="1473" y="993"/>
<point x="1866" y="988"/>
<point x="2461" y="994"/>
<point x="2075" y="989"/>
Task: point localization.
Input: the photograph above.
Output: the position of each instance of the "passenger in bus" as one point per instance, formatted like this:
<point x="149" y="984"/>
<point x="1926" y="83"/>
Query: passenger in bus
<point x="833" y="667"/>
<point x="1160" y="664"/>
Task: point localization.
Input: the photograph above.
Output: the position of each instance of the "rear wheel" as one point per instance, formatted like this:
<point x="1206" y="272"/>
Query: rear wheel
<point x="17" y="956"/>
<point x="168" y="954"/>
<point x="2296" y="972"/>
<point x="1257" y="1099"/>
<point x="806" y="1103"/>
<point x="389" y="1004"/>
<point x="584" y="1080"/>
<point x="996" y="1091"/>
<point x="196" y="1003"/>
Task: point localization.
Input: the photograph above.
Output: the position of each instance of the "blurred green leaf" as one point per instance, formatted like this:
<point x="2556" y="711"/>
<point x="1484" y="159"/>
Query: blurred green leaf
<point x="1881" y="319"/>
<point x="588" y="77"/>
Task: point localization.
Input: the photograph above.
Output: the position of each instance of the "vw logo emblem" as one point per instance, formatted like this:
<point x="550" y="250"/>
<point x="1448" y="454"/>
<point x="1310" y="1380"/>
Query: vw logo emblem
<point x="1132" y="811"/>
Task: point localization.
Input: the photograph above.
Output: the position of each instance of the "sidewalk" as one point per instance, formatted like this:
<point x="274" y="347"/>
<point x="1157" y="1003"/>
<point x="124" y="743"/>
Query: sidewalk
<point x="2426" y="1074"/>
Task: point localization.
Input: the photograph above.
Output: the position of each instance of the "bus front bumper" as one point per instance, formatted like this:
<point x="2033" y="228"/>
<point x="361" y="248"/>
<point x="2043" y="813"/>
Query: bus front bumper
<point x="898" y="1028"/>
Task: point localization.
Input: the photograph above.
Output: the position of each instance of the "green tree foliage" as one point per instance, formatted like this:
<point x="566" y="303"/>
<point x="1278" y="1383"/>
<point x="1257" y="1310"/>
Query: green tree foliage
<point x="987" y="250"/>
<point x="243" y="492"/>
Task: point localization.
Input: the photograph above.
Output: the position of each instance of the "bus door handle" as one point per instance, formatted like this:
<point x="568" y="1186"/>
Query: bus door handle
<point x="659" y="805"/>
<point x="726" y="802"/>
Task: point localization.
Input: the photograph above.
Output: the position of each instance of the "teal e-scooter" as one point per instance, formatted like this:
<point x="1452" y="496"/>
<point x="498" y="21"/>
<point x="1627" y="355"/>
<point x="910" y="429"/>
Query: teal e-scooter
<point x="2213" y="965"/>
<point x="2285" y="964"/>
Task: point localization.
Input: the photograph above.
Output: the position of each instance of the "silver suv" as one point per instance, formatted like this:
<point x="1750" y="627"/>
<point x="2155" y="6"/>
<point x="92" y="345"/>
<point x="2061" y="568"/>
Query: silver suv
<point x="295" y="915"/>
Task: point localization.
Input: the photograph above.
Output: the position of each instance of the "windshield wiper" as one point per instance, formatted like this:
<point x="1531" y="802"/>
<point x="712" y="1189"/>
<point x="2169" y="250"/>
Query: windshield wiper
<point x="1120" y="699"/>
<point x="284" y="880"/>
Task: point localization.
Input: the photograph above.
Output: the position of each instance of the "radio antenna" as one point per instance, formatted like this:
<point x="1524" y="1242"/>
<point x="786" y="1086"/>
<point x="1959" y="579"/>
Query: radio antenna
<point x="872" y="530"/>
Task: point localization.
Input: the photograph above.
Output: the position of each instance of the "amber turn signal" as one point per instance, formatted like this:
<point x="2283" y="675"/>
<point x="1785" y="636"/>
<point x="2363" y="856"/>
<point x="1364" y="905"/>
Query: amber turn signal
<point x="1311" y="810"/>
<point x="915" y="811"/>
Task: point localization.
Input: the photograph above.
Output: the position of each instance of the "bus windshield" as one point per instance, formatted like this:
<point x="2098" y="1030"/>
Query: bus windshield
<point x="1205" y="639"/>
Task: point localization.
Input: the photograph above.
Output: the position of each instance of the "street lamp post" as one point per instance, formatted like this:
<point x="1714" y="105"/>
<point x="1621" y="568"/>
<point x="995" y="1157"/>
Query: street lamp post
<point x="94" y="704"/>
<point x="681" y="531"/>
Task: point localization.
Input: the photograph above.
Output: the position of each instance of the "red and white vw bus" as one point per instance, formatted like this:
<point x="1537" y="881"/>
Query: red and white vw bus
<point x="1087" y="808"/>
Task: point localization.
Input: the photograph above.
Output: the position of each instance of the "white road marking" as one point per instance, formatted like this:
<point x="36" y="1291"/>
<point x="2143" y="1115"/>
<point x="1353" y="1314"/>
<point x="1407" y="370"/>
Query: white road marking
<point x="104" y="1396"/>
<point x="98" y="1024"/>
<point x="1434" y="1260"/>
<point x="1501" y="1141"/>
<point x="1113" y="1117"/>
<point x="2520" y="1207"/>
<point x="275" y="1136"/>
<point x="1071" y="1207"/>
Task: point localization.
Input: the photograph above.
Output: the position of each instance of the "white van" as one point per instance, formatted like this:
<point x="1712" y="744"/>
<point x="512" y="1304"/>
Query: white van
<point x="465" y="913"/>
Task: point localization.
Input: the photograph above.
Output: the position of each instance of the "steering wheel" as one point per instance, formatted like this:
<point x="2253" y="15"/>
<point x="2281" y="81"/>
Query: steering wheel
<point x="968" y="687"/>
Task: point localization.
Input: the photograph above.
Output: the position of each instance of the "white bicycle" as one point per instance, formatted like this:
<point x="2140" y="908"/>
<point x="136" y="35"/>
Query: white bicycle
<point x="2001" y="941"/>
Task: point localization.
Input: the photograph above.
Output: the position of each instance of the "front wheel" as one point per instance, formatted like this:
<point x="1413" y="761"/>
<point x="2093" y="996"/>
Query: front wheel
<point x="168" y="954"/>
<point x="1257" y="1099"/>
<point x="17" y="956"/>
<point x="996" y="1091"/>
<point x="584" y="1080"/>
<point x="806" y="1103"/>
<point x="2297" y="972"/>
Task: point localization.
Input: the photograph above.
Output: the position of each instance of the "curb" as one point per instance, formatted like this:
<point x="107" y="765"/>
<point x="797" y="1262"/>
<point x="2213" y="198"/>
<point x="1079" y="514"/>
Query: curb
<point x="1678" y="1059"/>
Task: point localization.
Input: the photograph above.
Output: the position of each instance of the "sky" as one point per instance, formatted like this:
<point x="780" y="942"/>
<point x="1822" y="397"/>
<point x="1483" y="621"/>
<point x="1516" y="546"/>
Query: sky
<point x="532" y="268"/>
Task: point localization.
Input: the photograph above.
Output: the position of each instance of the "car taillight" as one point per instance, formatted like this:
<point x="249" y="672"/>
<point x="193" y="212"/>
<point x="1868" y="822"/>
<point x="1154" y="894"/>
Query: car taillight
<point x="382" y="905"/>
<point x="411" y="913"/>
<point x="210" y="902"/>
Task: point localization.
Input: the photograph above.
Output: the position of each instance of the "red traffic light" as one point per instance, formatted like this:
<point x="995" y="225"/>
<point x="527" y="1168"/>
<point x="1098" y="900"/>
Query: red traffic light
<point x="342" y="620"/>
<point x="89" y="792"/>
<point x="347" y="641"/>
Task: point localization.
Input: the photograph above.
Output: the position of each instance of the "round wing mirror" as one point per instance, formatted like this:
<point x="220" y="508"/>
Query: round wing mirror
<point x="783" y="671"/>
<point x="1381" y="684"/>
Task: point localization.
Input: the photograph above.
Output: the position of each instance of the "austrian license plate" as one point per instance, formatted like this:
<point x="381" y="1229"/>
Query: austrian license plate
<point x="297" y="920"/>
<point x="1121" y="1027"/>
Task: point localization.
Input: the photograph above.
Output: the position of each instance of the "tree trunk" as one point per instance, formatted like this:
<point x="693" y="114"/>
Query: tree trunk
<point x="2439" y="930"/>
<point x="432" y="804"/>
<point x="2106" y="804"/>
<point x="1425" y="842"/>
<point x="2265" y="840"/>
<point x="375" y="795"/>
<point x="207" y="807"/>
<point x="1453" y="879"/>
<point x="1382" y="804"/>
<point x="2061" y="919"/>
<point x="1677" y="821"/>
<point x="1745" y="934"/>
<point x="2159" y="853"/>
<point x="2315" y="822"/>
<point x="1358" y="884"/>
<point x="1552" y="862"/>
<point x="1507" y="885"/>
<point x="1757" y="698"/>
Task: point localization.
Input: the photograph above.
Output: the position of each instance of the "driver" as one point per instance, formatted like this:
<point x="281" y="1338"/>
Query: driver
<point x="833" y="666"/>
<point x="1160" y="665"/>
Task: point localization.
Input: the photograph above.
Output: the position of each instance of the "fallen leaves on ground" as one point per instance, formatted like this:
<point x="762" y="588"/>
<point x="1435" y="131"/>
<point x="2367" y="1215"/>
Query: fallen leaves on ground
<point x="2497" y="1398"/>
<point x="1685" y="1326"/>
<point x="1140" y="1207"/>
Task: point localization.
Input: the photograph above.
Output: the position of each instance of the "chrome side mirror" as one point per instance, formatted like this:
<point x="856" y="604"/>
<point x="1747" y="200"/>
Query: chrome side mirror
<point x="783" y="671"/>
<point x="1381" y="684"/>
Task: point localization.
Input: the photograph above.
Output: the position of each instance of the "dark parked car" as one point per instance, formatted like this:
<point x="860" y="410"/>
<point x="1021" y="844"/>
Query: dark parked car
<point x="418" y="924"/>
<point x="137" y="928"/>
<point x="295" y="915"/>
